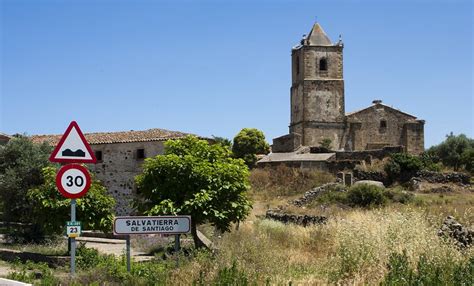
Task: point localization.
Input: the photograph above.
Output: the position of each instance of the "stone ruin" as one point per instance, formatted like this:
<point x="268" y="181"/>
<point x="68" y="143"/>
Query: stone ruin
<point x="462" y="236"/>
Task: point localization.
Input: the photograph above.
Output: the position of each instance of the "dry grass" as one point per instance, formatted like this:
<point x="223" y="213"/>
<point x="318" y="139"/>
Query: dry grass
<point x="352" y="249"/>
<point x="282" y="181"/>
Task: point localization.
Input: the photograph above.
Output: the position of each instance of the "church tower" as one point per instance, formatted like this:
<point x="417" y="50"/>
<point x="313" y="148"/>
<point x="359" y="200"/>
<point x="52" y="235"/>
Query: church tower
<point x="317" y="90"/>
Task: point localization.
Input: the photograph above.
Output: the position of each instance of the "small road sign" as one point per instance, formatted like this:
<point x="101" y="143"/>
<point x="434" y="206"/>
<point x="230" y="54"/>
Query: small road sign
<point x="73" y="147"/>
<point x="73" y="181"/>
<point x="73" y="228"/>
<point x="152" y="224"/>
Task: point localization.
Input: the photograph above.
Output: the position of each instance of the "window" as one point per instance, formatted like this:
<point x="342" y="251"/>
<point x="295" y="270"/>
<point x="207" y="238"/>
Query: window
<point x="383" y="124"/>
<point x="297" y="65"/>
<point x="98" y="156"/>
<point x="323" y="65"/>
<point x="140" y="154"/>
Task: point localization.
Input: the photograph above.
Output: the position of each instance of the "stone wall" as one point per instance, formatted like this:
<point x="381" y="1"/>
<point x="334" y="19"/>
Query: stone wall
<point x="286" y="143"/>
<point x="303" y="220"/>
<point x="444" y="178"/>
<point x="414" y="137"/>
<point x="118" y="168"/>
<point x="368" y="155"/>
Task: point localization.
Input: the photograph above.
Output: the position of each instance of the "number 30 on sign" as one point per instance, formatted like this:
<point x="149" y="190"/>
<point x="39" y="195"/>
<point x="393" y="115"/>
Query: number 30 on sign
<point x="73" y="181"/>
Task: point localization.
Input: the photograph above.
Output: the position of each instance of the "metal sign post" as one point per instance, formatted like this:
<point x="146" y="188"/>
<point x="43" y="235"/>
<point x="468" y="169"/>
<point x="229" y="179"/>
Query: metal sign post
<point x="172" y="225"/>
<point x="73" y="240"/>
<point x="72" y="180"/>
<point x="176" y="248"/>
<point x="128" y="254"/>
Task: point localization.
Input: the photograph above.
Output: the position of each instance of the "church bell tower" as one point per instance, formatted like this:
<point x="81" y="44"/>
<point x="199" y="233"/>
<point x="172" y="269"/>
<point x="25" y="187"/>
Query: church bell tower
<point x="317" y="90"/>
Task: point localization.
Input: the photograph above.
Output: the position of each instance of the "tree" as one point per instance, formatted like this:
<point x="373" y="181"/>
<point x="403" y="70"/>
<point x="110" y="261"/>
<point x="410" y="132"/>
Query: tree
<point x="21" y="163"/>
<point x="197" y="179"/>
<point x="402" y="166"/>
<point x="50" y="210"/>
<point x="223" y="141"/>
<point x="248" y="143"/>
<point x="454" y="151"/>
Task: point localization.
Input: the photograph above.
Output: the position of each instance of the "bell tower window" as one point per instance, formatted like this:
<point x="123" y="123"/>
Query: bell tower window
<point x="323" y="65"/>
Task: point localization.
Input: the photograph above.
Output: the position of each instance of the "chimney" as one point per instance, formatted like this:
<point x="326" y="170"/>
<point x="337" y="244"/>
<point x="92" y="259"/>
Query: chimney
<point x="377" y="101"/>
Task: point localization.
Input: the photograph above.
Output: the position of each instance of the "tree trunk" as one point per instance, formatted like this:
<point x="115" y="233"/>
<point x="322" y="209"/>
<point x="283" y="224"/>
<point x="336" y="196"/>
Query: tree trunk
<point x="197" y="242"/>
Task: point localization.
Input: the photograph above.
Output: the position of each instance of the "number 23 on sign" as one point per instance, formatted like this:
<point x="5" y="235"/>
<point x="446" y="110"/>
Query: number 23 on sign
<point x="73" y="228"/>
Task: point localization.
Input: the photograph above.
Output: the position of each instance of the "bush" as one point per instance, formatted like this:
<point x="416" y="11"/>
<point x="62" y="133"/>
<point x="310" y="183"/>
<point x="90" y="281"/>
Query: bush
<point x="402" y="166"/>
<point x="50" y="210"/>
<point x="364" y="195"/>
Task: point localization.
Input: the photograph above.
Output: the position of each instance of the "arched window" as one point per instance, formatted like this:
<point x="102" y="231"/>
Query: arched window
<point x="323" y="64"/>
<point x="383" y="124"/>
<point x="297" y="64"/>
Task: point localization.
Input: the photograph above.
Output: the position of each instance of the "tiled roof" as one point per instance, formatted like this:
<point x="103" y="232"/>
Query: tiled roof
<point x="294" y="156"/>
<point x="155" y="134"/>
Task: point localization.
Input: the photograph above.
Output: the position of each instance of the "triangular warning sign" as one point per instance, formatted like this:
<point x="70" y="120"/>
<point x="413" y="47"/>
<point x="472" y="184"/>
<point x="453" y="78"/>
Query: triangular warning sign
<point x="73" y="147"/>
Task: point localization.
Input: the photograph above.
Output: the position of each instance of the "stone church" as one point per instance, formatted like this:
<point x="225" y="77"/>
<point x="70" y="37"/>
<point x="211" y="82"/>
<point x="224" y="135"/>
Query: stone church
<point x="318" y="111"/>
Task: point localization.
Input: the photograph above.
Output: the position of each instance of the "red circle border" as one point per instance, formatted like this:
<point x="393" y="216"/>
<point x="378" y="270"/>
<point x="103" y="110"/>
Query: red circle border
<point x="61" y="173"/>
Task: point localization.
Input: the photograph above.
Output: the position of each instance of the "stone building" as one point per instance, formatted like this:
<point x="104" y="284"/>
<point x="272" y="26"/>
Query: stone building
<point x="318" y="111"/>
<point x="119" y="158"/>
<point x="4" y="138"/>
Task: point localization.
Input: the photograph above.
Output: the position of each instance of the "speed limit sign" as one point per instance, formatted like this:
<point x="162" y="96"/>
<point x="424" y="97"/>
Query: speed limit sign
<point x="73" y="181"/>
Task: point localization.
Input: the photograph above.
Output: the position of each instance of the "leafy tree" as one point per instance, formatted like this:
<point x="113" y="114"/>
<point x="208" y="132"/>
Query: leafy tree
<point x="402" y="166"/>
<point x="248" y="143"/>
<point x="325" y="143"/>
<point x="28" y="192"/>
<point x="21" y="163"/>
<point x="50" y="210"/>
<point x="467" y="159"/>
<point x="223" y="141"/>
<point x="454" y="151"/>
<point x="197" y="179"/>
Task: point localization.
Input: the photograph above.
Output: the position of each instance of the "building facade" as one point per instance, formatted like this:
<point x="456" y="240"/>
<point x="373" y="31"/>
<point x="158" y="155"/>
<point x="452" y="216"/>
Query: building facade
<point x="318" y="109"/>
<point x="120" y="156"/>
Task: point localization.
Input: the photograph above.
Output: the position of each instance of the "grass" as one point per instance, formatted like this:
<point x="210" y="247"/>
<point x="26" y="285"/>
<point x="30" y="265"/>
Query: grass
<point x="395" y="244"/>
<point x="270" y="183"/>
<point x="54" y="247"/>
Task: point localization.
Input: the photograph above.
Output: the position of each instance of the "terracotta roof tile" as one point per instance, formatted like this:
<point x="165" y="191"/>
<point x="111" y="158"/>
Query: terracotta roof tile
<point x="155" y="134"/>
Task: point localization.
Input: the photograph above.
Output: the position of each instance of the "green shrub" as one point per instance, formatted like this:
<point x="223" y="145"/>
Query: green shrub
<point x="87" y="257"/>
<point x="31" y="272"/>
<point x="402" y="166"/>
<point x="227" y="276"/>
<point x="428" y="272"/>
<point x="364" y="195"/>
<point x="398" y="195"/>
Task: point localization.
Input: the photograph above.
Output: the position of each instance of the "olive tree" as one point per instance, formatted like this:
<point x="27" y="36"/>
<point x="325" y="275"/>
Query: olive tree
<point x="197" y="179"/>
<point x="456" y="151"/>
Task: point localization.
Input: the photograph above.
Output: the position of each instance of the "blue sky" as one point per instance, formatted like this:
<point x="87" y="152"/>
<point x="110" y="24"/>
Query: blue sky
<point x="214" y="67"/>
